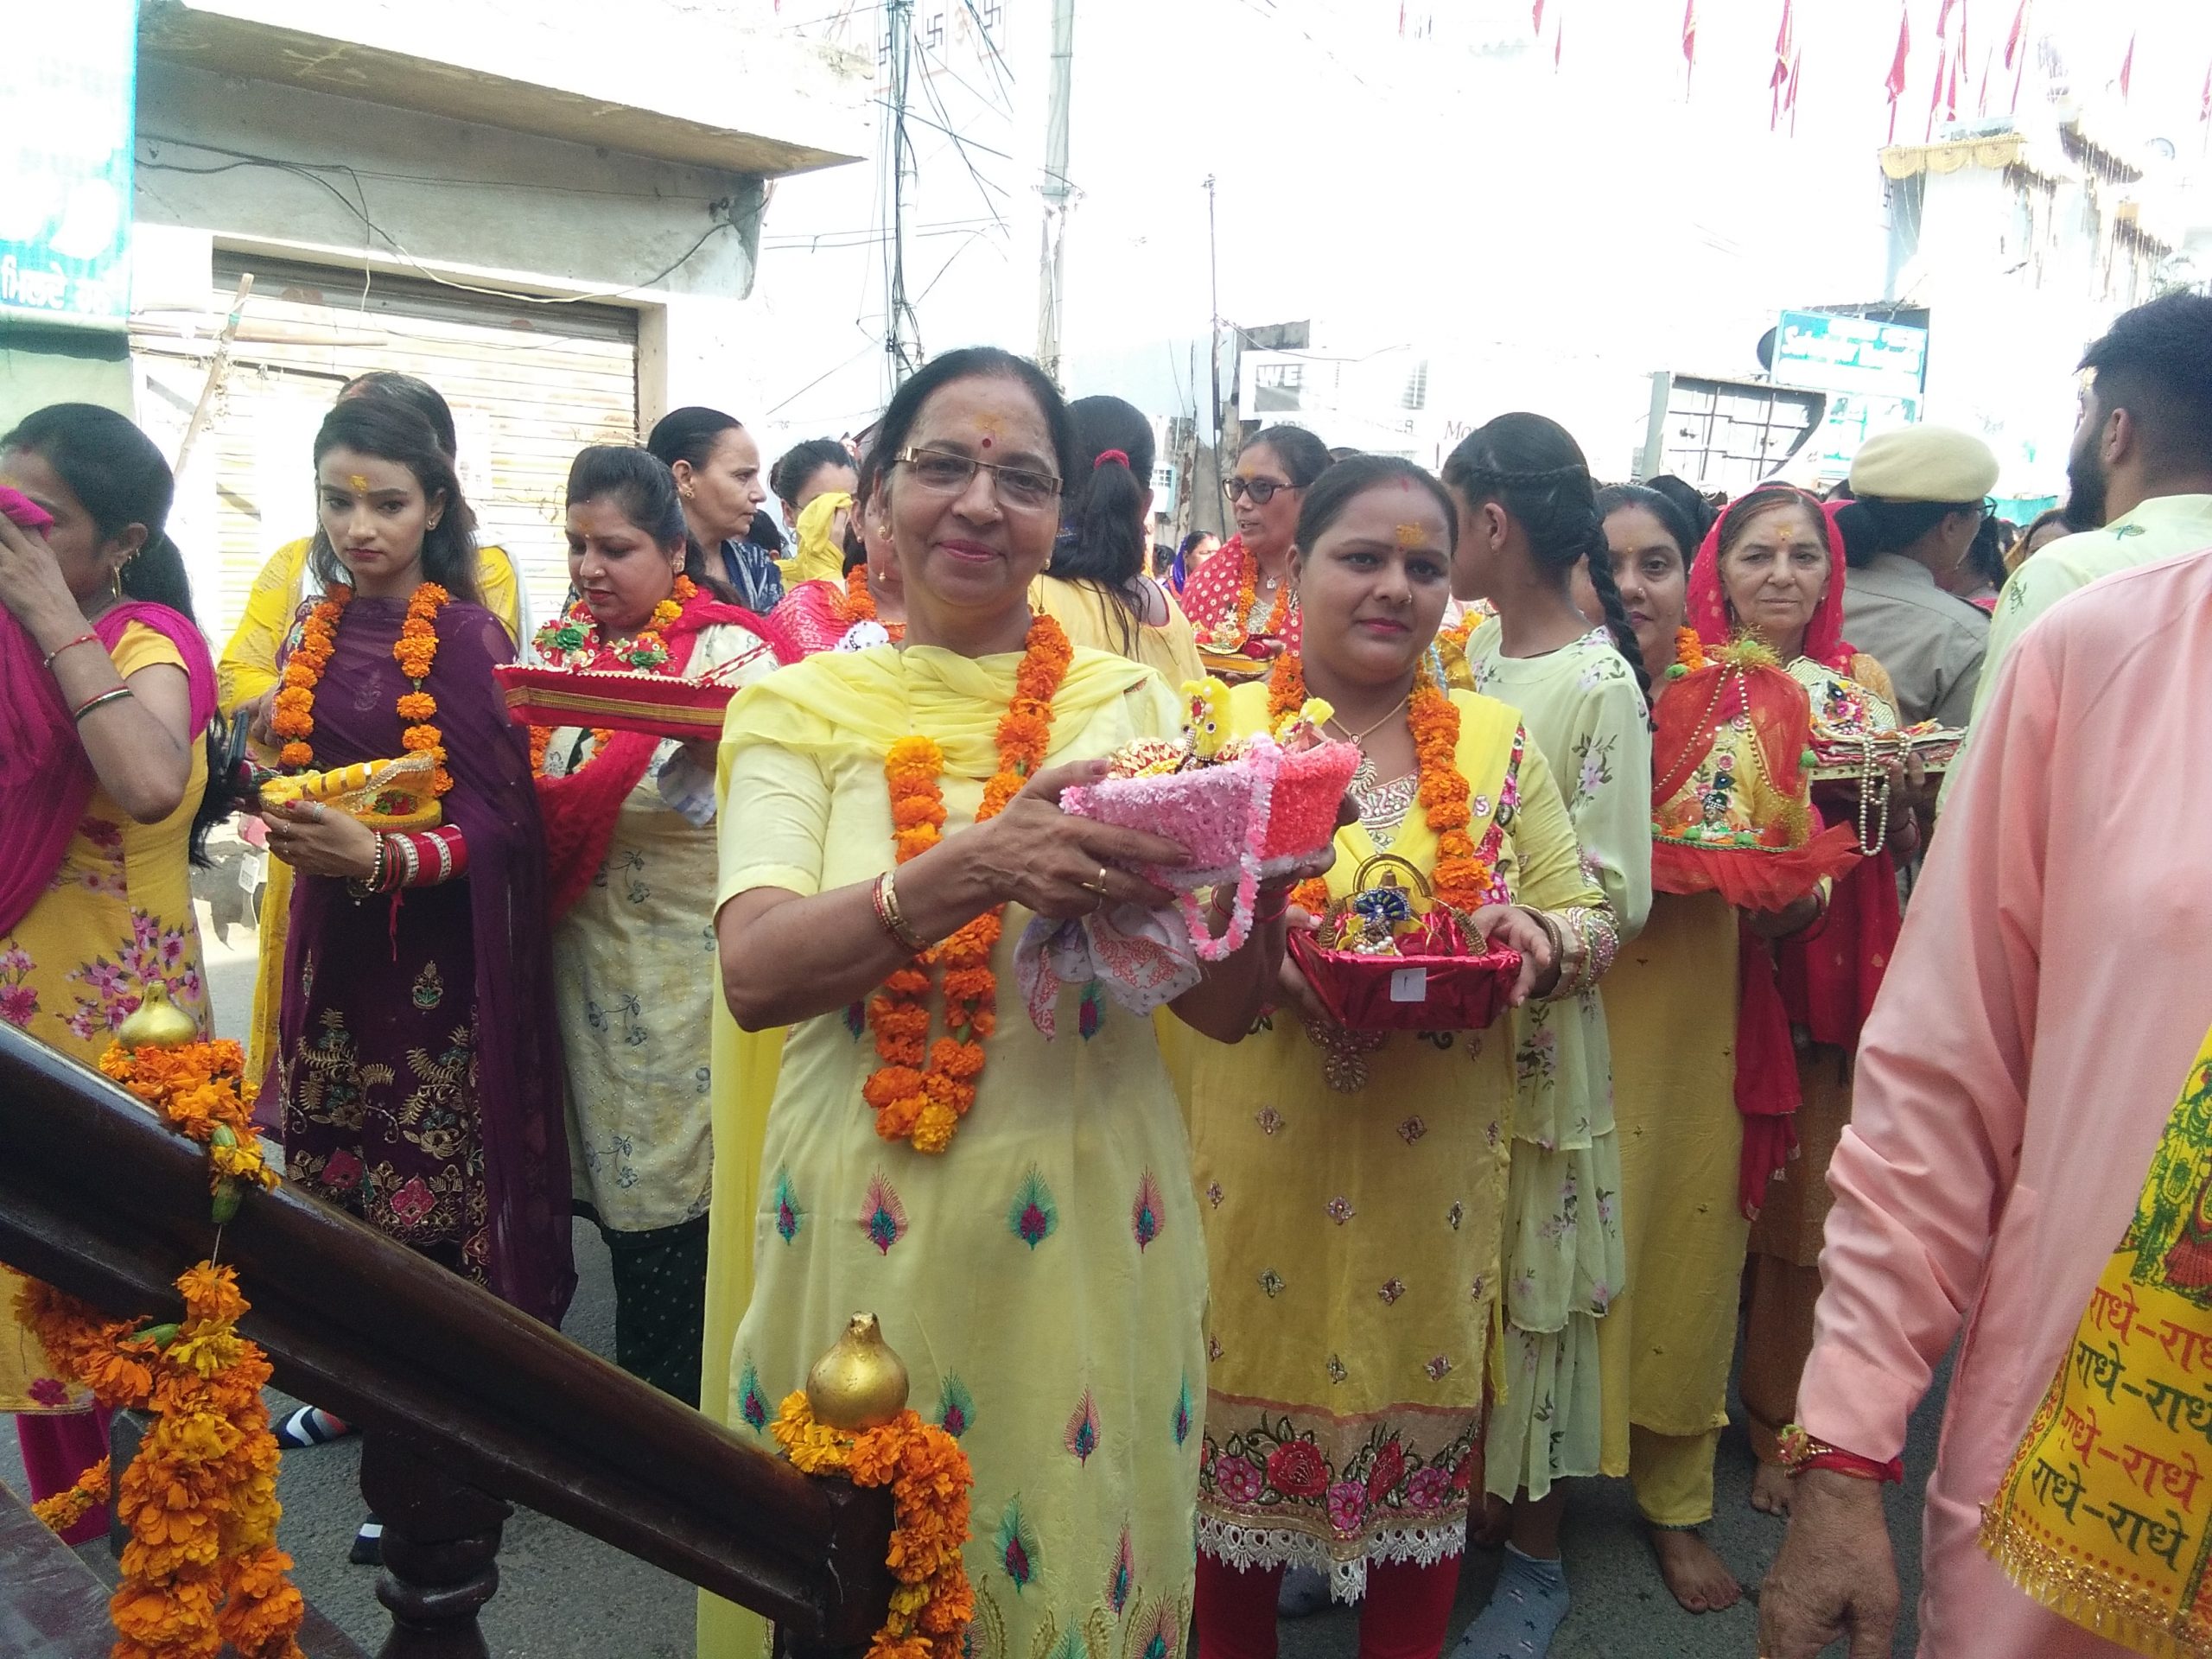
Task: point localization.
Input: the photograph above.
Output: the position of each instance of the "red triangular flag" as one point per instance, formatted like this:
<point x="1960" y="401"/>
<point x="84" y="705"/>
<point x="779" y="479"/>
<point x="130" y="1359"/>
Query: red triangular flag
<point x="1789" y="96"/>
<point x="1894" y="83"/>
<point x="2204" y="104"/>
<point x="2127" y="69"/>
<point x="1559" y="40"/>
<point x="1536" y="18"/>
<point x="2018" y="36"/>
<point x="1690" y="42"/>
<point x="1778" y="76"/>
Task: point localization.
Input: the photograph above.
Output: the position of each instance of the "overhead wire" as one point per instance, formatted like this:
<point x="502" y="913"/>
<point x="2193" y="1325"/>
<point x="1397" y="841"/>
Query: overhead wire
<point x="312" y="172"/>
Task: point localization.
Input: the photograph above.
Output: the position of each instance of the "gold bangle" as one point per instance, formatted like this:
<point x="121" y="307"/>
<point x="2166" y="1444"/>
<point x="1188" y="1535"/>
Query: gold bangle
<point x="894" y="921"/>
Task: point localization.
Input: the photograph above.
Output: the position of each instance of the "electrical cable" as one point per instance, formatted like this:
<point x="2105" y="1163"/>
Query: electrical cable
<point x="313" y="173"/>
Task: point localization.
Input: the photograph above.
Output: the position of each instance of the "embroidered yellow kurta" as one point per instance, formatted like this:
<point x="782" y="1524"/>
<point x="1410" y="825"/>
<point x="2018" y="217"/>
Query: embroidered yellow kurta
<point x="118" y="916"/>
<point x="1354" y="1237"/>
<point x="1044" y="1278"/>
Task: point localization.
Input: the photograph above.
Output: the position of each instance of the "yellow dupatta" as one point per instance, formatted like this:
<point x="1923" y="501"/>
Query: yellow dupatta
<point x="829" y="704"/>
<point x="2103" y="1515"/>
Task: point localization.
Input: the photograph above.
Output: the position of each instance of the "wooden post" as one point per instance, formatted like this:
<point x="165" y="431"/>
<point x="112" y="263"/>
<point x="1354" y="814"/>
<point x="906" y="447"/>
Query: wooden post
<point x="441" y="1549"/>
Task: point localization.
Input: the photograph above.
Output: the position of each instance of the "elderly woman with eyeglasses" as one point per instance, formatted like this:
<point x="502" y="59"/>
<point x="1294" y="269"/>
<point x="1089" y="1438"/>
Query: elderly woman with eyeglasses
<point x="1243" y="602"/>
<point x="1019" y="1211"/>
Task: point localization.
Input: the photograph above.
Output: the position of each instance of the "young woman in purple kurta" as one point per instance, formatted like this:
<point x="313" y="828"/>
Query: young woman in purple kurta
<point x="418" y="1064"/>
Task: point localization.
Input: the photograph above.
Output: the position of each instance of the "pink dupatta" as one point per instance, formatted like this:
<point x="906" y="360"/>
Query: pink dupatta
<point x="46" y="778"/>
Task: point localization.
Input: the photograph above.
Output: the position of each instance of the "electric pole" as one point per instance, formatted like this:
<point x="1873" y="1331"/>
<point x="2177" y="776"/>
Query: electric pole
<point x="1213" y="282"/>
<point x="1053" y="256"/>
<point x="902" y="330"/>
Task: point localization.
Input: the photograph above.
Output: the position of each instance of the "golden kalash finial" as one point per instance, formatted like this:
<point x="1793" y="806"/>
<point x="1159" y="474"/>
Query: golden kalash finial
<point x="859" y="1383"/>
<point x="158" y="1022"/>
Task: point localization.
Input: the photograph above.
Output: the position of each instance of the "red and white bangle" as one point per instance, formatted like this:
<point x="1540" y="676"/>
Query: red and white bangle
<point x="432" y="857"/>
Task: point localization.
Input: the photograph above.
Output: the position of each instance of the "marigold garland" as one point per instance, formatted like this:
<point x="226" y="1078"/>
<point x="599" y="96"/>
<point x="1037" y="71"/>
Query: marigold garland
<point x="1463" y="879"/>
<point x="1233" y="630"/>
<point x="573" y="642"/>
<point x="66" y="1508"/>
<point x="1689" y="653"/>
<point x="202" y="1567"/>
<point x="930" y="1482"/>
<point x="922" y="1089"/>
<point x="415" y="650"/>
<point x="859" y="603"/>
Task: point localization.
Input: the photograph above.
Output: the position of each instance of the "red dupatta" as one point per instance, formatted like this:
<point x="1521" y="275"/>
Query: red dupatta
<point x="580" y="808"/>
<point x="1824" y="978"/>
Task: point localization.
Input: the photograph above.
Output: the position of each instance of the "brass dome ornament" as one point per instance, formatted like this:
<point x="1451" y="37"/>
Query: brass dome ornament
<point x="157" y="1022"/>
<point x="859" y="1383"/>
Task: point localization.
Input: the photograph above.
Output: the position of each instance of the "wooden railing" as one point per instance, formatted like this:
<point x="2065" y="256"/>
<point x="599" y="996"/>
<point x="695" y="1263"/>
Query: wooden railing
<point x="465" y="1404"/>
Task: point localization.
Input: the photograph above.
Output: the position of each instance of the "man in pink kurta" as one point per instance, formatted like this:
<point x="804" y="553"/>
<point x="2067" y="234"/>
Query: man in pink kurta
<point x="2049" y="991"/>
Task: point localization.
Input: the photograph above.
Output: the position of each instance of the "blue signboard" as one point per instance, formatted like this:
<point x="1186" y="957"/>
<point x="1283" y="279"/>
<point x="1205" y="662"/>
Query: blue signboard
<point x="1831" y="353"/>
<point x="66" y="82"/>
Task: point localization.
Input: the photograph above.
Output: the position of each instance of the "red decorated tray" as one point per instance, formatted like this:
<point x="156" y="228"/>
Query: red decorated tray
<point x="1407" y="993"/>
<point x="661" y="704"/>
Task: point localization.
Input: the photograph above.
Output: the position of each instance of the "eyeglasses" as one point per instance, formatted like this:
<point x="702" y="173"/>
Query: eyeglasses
<point x="1262" y="490"/>
<point x="943" y="472"/>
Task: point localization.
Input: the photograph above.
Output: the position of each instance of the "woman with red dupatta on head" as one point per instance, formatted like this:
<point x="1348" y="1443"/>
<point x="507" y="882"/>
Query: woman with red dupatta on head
<point x="108" y="688"/>
<point x="1773" y="567"/>
<point x="631" y="866"/>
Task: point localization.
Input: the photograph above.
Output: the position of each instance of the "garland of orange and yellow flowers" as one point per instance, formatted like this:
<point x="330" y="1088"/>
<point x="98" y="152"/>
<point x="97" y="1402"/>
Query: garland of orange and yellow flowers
<point x="573" y="642"/>
<point x="202" y="1567"/>
<point x="860" y="604"/>
<point x="930" y="1479"/>
<point x="922" y="1090"/>
<point x="415" y="650"/>
<point x="1463" y="879"/>
<point x="1234" y="627"/>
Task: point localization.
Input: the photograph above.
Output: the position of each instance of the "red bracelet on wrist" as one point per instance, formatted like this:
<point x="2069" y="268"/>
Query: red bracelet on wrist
<point x="1801" y="1452"/>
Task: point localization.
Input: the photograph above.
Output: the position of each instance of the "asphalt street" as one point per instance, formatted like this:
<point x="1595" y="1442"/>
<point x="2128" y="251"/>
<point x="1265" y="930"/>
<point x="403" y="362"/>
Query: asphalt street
<point x="564" y="1596"/>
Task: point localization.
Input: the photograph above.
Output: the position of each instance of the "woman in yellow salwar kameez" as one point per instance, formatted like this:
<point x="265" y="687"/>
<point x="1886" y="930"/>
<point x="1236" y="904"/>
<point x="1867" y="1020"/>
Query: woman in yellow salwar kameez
<point x="1353" y="1185"/>
<point x="1036" y="1261"/>
<point x="1672" y="1008"/>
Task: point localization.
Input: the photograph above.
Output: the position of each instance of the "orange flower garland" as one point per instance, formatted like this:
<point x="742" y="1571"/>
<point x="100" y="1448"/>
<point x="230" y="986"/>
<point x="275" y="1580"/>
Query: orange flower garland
<point x="1247" y="594"/>
<point x="930" y="1481"/>
<point x="860" y="604"/>
<point x="922" y="1090"/>
<point x="294" y="719"/>
<point x="573" y="642"/>
<point x="66" y="1508"/>
<point x="1689" y="653"/>
<point x="1462" y="879"/>
<point x="202" y="1567"/>
<point x="415" y="650"/>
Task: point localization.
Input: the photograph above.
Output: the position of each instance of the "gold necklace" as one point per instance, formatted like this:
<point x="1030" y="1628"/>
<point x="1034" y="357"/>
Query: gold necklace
<point x="1355" y="738"/>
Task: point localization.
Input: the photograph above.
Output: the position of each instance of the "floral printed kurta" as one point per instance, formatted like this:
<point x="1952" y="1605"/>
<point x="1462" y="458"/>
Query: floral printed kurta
<point x="1043" y="1278"/>
<point x="634" y="983"/>
<point x="1564" y="1260"/>
<point x="1355" y="1236"/>
<point x="118" y="916"/>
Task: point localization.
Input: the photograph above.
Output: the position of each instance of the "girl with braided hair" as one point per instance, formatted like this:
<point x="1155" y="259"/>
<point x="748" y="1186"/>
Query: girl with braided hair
<point x="1528" y="519"/>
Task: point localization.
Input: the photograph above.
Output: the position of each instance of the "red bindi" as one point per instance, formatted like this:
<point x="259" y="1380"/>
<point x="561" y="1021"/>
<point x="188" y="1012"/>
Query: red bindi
<point x="987" y="443"/>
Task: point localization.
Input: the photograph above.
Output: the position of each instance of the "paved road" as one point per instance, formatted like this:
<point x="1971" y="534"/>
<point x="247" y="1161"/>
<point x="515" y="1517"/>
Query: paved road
<point x="563" y="1596"/>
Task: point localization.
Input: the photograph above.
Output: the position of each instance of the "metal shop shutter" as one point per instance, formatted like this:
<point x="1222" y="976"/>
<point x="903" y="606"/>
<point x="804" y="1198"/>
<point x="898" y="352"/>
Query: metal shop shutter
<point x="529" y="385"/>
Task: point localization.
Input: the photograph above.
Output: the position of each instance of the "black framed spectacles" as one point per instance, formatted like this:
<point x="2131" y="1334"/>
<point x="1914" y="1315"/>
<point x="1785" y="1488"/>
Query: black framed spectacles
<point x="1262" y="490"/>
<point x="943" y="472"/>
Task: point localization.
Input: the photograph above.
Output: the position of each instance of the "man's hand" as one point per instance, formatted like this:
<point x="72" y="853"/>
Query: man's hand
<point x="1835" y="1575"/>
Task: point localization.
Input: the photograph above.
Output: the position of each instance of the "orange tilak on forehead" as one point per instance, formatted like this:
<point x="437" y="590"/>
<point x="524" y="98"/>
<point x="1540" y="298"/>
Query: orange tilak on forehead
<point x="359" y="481"/>
<point x="1411" y="535"/>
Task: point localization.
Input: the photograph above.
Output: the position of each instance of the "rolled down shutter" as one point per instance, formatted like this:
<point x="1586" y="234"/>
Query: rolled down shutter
<point x="529" y="385"/>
